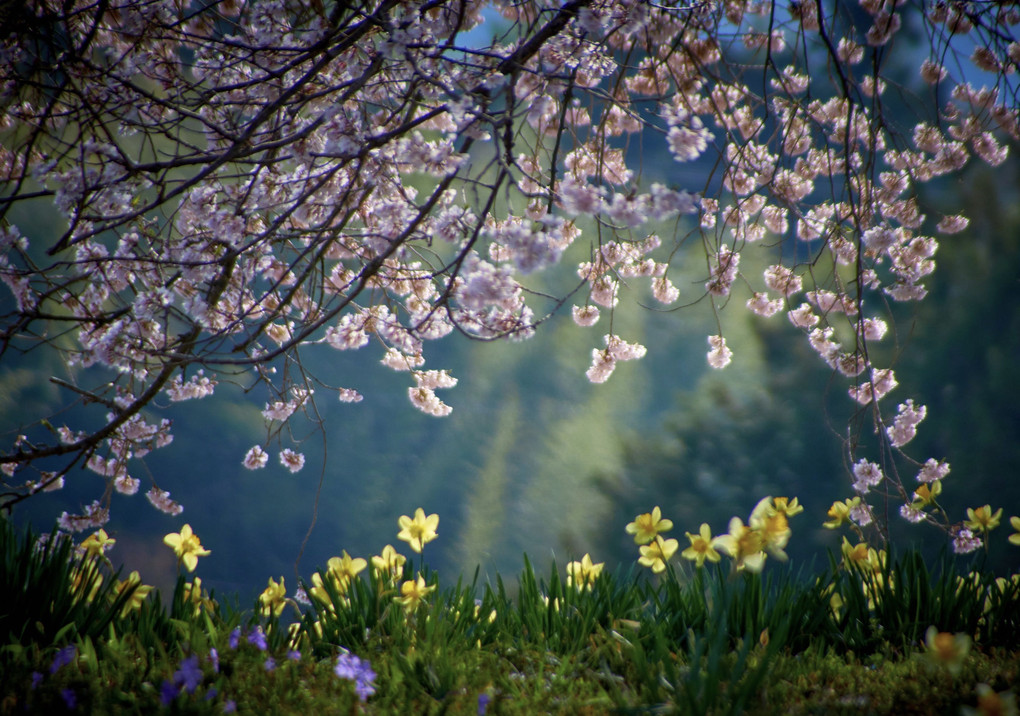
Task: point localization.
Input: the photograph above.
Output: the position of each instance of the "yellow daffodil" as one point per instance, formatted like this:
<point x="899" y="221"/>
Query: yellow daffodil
<point x="186" y="546"/>
<point x="389" y="564"/>
<point x="947" y="649"/>
<point x="1015" y="524"/>
<point x="983" y="519"/>
<point x="321" y="594"/>
<point x="862" y="556"/>
<point x="655" y="555"/>
<point x="839" y="513"/>
<point x="412" y="592"/>
<point x="990" y="703"/>
<point x="194" y="594"/>
<point x="583" y="574"/>
<point x="86" y="576"/>
<point x="96" y="544"/>
<point x="835" y="600"/>
<point x="743" y="545"/>
<point x="856" y="555"/>
<point x="772" y="526"/>
<point x="927" y="494"/>
<point x="318" y="590"/>
<point x="702" y="547"/>
<point x="646" y="527"/>
<point x="787" y="506"/>
<point x="273" y="598"/>
<point x="138" y="595"/>
<point x="345" y="568"/>
<point x="419" y="531"/>
<point x="1003" y="583"/>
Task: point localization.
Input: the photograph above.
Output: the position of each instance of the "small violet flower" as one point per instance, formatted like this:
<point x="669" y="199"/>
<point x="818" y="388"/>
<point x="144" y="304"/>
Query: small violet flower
<point x="189" y="675"/>
<point x="69" y="697"/>
<point x="348" y="666"/>
<point x="168" y="692"/>
<point x="63" y="657"/>
<point x="258" y="638"/>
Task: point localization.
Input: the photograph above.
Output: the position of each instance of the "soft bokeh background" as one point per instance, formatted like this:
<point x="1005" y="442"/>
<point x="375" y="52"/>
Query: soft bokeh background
<point x="536" y="459"/>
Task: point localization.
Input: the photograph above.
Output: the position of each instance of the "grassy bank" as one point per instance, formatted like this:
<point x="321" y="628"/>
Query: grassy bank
<point x="897" y="637"/>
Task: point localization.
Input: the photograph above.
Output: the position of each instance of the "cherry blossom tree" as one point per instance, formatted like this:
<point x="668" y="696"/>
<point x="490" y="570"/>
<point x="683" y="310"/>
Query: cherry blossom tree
<point x="238" y="180"/>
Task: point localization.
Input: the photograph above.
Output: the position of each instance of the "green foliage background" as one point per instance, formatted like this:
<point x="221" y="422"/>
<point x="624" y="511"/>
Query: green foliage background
<point x="535" y="459"/>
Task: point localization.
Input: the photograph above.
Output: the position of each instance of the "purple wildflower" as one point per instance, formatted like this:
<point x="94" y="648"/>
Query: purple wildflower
<point x="36" y="679"/>
<point x="189" y="675"/>
<point x="214" y="657"/>
<point x="64" y="656"/>
<point x="235" y="637"/>
<point x="270" y="664"/>
<point x="258" y="639"/>
<point x="294" y="655"/>
<point x="230" y="706"/>
<point x="69" y="697"/>
<point x="348" y="666"/>
<point x="483" y="703"/>
<point x="364" y="689"/>
<point x="168" y="692"/>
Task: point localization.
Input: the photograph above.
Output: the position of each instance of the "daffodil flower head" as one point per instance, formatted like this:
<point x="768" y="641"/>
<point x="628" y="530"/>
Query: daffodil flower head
<point x="138" y="591"/>
<point x="1014" y="538"/>
<point x="86" y="576"/>
<point x="419" y="531"/>
<point x="657" y="553"/>
<point x="96" y="544"/>
<point x="947" y="649"/>
<point x="389" y="564"/>
<point x="412" y="592"/>
<point x="787" y="506"/>
<point x="839" y="513"/>
<point x="646" y="527"/>
<point x="926" y="494"/>
<point x="273" y="598"/>
<point x="186" y="546"/>
<point x="744" y="546"/>
<point x="990" y="702"/>
<point x="982" y="519"/>
<point x="345" y="568"/>
<point x="194" y="594"/>
<point x="320" y="592"/>
<point x="772" y="526"/>
<point x="582" y="574"/>
<point x="862" y="556"/>
<point x="702" y="547"/>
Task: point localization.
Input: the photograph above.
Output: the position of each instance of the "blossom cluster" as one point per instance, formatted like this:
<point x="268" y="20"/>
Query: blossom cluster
<point x="377" y="178"/>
